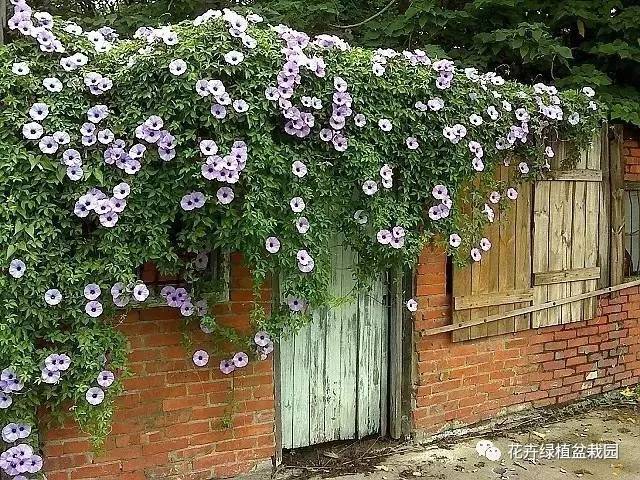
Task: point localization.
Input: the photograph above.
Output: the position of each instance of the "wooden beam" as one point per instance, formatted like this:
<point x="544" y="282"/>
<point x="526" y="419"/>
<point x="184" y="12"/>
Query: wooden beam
<point x="465" y="302"/>
<point x="277" y="377"/>
<point x="578" y="175"/>
<point x="604" y="217"/>
<point x="395" y="354"/>
<point x="3" y="19"/>
<point x="561" y="276"/>
<point x="534" y="308"/>
<point x="629" y="185"/>
<point x="616" y="173"/>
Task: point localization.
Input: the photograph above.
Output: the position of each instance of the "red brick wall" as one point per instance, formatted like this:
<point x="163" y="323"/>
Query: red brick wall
<point x="631" y="152"/>
<point x="169" y="421"/>
<point x="466" y="382"/>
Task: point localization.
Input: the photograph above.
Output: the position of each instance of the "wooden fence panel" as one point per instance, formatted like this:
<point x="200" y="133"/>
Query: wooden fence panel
<point x="567" y="248"/>
<point x="501" y="281"/>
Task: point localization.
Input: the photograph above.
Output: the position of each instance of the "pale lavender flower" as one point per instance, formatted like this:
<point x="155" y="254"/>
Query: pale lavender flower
<point x="48" y="145"/>
<point x="455" y="240"/>
<point x="187" y="309"/>
<point x="412" y="143"/>
<point x="295" y="304"/>
<point x="272" y="244"/>
<point x="299" y="169"/>
<point x="485" y="244"/>
<point x="302" y="224"/>
<point x="167" y="290"/>
<point x="50" y="377"/>
<point x="240" y="359"/>
<point x="225" y="195"/>
<point x="33" y="464"/>
<point x="201" y="261"/>
<point x="32" y="131"/>
<point x="52" y="84"/>
<point x="227" y="366"/>
<point x="92" y="291"/>
<point x="240" y="106"/>
<point x="20" y="68"/>
<point x="369" y="187"/>
<point x="440" y="192"/>
<point x="262" y="338"/>
<point x="512" y="193"/>
<point x="93" y="309"/>
<point x="476" y="255"/>
<point x="398" y="232"/>
<point x="494" y="197"/>
<point x="75" y="173"/>
<point x="385" y="124"/>
<point x="95" y="396"/>
<point x="17" y="268"/>
<point x="477" y="164"/>
<point x="218" y="111"/>
<point x="384" y="237"/>
<point x="140" y="292"/>
<point x="109" y="220"/>
<point x="412" y="305"/>
<point x="475" y="119"/>
<point x="10" y="432"/>
<point x="200" y="358"/>
<point x="234" y="57"/>
<point x="177" y="67"/>
<point x="201" y="308"/>
<point x="105" y="136"/>
<point x="548" y="151"/>
<point x="523" y="167"/>
<point x="39" y="111"/>
<point x="5" y="401"/>
<point x="53" y="296"/>
<point x="71" y="158"/>
<point x="297" y="204"/>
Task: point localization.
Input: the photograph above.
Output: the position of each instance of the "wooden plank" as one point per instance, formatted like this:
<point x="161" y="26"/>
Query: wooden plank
<point x="395" y="355"/>
<point x="462" y="286"/>
<point x="276" y="301"/>
<point x="604" y="208"/>
<point x="506" y="247"/>
<point x="349" y="349"/>
<point x="492" y="299"/>
<point x="533" y="308"/>
<point x="567" y="237"/>
<point x="300" y="400"/>
<point x="578" y="251"/>
<point x="629" y="185"/>
<point x="616" y="175"/>
<point x="492" y="265"/>
<point x="364" y="363"/>
<point x="332" y="355"/>
<point x="556" y="246"/>
<point x="384" y="356"/>
<point x="578" y="175"/>
<point x="286" y="387"/>
<point x="317" y="377"/>
<point x="523" y="260"/>
<point x="541" y="218"/>
<point x="561" y="276"/>
<point x="480" y="284"/>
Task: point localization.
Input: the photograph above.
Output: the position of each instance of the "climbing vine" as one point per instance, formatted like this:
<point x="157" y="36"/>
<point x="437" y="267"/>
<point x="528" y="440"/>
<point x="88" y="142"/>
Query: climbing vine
<point x="226" y="134"/>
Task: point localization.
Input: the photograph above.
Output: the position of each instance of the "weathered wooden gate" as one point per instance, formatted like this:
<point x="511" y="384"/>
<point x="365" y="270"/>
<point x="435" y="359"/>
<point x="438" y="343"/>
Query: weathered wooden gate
<point x="333" y="373"/>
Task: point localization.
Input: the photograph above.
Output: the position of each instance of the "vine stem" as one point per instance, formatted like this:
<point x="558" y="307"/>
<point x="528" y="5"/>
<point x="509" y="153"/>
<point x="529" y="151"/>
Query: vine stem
<point x="375" y="15"/>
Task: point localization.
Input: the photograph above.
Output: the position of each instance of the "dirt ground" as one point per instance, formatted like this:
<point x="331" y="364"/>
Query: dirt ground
<point x="376" y="459"/>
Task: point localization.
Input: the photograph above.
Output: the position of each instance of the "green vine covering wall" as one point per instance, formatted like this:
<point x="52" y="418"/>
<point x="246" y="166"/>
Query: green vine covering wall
<point x="224" y="133"/>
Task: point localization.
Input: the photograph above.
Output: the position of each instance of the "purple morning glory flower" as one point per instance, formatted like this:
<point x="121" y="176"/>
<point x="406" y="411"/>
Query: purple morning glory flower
<point x="200" y="358"/>
<point x="95" y="396"/>
<point x="262" y="338"/>
<point x="272" y="244"/>
<point x="50" y="377"/>
<point x="227" y="366"/>
<point x="53" y="296"/>
<point x="17" y="268"/>
<point x="412" y="305"/>
<point x="218" y="111"/>
<point x="369" y="187"/>
<point x="297" y="204"/>
<point x="225" y="195"/>
<point x="187" y="309"/>
<point x="109" y="220"/>
<point x="295" y="304"/>
<point x="93" y="309"/>
<point x="32" y="131"/>
<point x="92" y="291"/>
<point x="140" y="292"/>
<point x="106" y="378"/>
<point x="240" y="359"/>
<point x="167" y="290"/>
<point x="34" y="464"/>
<point x="5" y="401"/>
<point x="302" y="224"/>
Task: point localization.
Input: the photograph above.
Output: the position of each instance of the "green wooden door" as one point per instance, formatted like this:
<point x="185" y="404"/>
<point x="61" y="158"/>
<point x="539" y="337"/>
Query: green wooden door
<point x="333" y="373"/>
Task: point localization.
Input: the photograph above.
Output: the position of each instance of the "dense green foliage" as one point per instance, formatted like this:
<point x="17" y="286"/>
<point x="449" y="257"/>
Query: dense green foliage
<point x="408" y="157"/>
<point x="568" y="43"/>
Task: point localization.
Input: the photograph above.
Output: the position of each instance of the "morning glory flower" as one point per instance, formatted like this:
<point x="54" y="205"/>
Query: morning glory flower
<point x="32" y="131"/>
<point x="588" y="91"/>
<point x="455" y="240"/>
<point x="412" y="143"/>
<point x="369" y="187"/>
<point x="240" y="106"/>
<point x="485" y="244"/>
<point x="10" y="432"/>
<point x="233" y="57"/>
<point x="39" y="111"/>
<point x="208" y="147"/>
<point x="240" y="359"/>
<point x="512" y="193"/>
<point x="412" y="305"/>
<point x="140" y="292"/>
<point x="476" y="255"/>
<point x="299" y="169"/>
<point x="20" y="68"/>
<point x="297" y="204"/>
<point x="523" y="167"/>
<point x="17" y="268"/>
<point x="92" y="291"/>
<point x="261" y="338"/>
<point x="295" y="304"/>
<point x="227" y="366"/>
<point x="302" y="224"/>
<point x="105" y="378"/>
<point x="494" y="197"/>
<point x="52" y="84"/>
<point x="48" y="145"/>
<point x="5" y="401"/>
<point x="272" y="244"/>
<point x="177" y="67"/>
<point x="574" y="118"/>
<point x="97" y="113"/>
<point x="109" y="220"/>
<point x="50" y="377"/>
<point x="95" y="396"/>
<point x="93" y="309"/>
<point x="384" y="237"/>
<point x="200" y="358"/>
<point x="385" y="124"/>
<point x="218" y="111"/>
<point x="225" y="195"/>
<point x="53" y="296"/>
